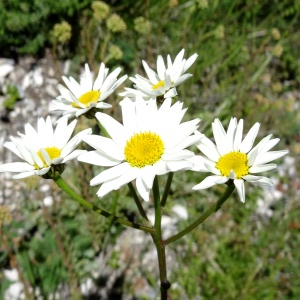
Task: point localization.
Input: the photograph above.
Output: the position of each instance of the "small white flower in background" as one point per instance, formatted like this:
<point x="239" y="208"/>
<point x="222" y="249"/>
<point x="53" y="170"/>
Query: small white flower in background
<point x="43" y="147"/>
<point x="233" y="157"/>
<point x="150" y="142"/>
<point x="78" y="98"/>
<point x="164" y="81"/>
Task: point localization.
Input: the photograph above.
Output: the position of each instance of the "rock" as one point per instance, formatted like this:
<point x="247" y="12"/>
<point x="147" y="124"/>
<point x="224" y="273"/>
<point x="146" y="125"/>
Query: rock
<point x="6" y="66"/>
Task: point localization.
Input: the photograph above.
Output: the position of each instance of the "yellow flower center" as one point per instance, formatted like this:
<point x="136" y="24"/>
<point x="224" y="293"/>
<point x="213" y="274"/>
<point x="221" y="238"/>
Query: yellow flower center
<point x="143" y="149"/>
<point x="53" y="152"/>
<point x="235" y="161"/>
<point x="158" y="85"/>
<point x="87" y="98"/>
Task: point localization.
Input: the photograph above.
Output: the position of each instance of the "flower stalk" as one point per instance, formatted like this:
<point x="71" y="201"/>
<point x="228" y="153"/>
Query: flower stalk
<point x="158" y="241"/>
<point x="204" y="216"/>
<point x="62" y="184"/>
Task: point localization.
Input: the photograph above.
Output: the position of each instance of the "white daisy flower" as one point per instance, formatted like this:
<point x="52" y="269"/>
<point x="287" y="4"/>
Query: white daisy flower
<point x="77" y="99"/>
<point x="164" y="81"/>
<point x="151" y="141"/>
<point x="44" y="147"/>
<point x="233" y="157"/>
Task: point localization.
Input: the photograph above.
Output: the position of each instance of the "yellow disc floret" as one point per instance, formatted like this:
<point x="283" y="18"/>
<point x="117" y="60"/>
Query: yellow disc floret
<point x="87" y="98"/>
<point x="235" y="161"/>
<point x="143" y="149"/>
<point x="158" y="85"/>
<point x="53" y="152"/>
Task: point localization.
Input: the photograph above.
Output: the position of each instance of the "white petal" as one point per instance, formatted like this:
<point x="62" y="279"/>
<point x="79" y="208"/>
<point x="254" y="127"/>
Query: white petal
<point x="208" y="182"/>
<point x="128" y="114"/>
<point x="100" y="78"/>
<point x="36" y="158"/>
<point x="150" y="73"/>
<point x="143" y="190"/>
<point x="16" y="167"/>
<point x="210" y="152"/>
<point x="110" y="174"/>
<point x="58" y="160"/>
<point x="198" y="162"/>
<point x="240" y="187"/>
<point x="126" y="177"/>
<point x="73" y="143"/>
<point x="24" y="175"/>
<point x="220" y="138"/>
<point x="252" y="156"/>
<point x="231" y="130"/>
<point x="87" y="79"/>
<point x="210" y="166"/>
<point x="113" y="128"/>
<point x="190" y="61"/>
<point x="42" y="171"/>
<point x="183" y="154"/>
<point x="269" y="145"/>
<point x="182" y="78"/>
<point x="63" y="132"/>
<point x="108" y="84"/>
<point x="46" y="156"/>
<point x="238" y="135"/>
<point x="71" y="156"/>
<point x="161" y="168"/>
<point x="161" y="67"/>
<point x="222" y="180"/>
<point x="261" y="144"/>
<point x="178" y="60"/>
<point x="147" y="175"/>
<point x="171" y="93"/>
<point x="264" y="181"/>
<point x="103" y="105"/>
<point x="49" y="132"/>
<point x="248" y="141"/>
<point x="251" y="178"/>
<point x="98" y="159"/>
<point x="174" y="166"/>
<point x="106" y="188"/>
<point x="105" y="145"/>
<point x="185" y="143"/>
<point x="13" y="148"/>
<point x="80" y="111"/>
<point x="262" y="168"/>
<point x="265" y="157"/>
<point x="31" y="133"/>
<point x="73" y="86"/>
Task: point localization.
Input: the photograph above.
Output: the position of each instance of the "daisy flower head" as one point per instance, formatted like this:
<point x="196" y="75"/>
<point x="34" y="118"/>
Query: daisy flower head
<point x="151" y="141"/>
<point x="43" y="148"/>
<point x="163" y="82"/>
<point x="78" y="98"/>
<point x="235" y="158"/>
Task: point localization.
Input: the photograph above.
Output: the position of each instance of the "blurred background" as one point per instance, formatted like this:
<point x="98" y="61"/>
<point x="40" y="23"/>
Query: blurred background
<point x="248" y="67"/>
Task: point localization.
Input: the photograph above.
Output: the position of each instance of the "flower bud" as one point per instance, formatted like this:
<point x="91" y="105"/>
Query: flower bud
<point x="61" y="32"/>
<point x="115" y="23"/>
<point x="100" y="10"/>
<point x="142" y="25"/>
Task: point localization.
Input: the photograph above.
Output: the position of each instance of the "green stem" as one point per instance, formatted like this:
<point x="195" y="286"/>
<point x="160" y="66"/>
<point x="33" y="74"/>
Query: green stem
<point x="160" y="247"/>
<point x="166" y="190"/>
<point x="62" y="184"/>
<point x="104" y="46"/>
<point x="203" y="217"/>
<point x="157" y="207"/>
<point x="139" y="204"/>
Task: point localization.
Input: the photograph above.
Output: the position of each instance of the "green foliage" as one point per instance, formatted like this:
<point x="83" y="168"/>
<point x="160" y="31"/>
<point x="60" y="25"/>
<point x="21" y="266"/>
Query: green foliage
<point x="25" y="25"/>
<point x="12" y="96"/>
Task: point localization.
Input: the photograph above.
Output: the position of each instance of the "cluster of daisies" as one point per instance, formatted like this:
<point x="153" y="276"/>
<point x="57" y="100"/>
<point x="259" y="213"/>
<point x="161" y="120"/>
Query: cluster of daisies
<point x="151" y="140"/>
